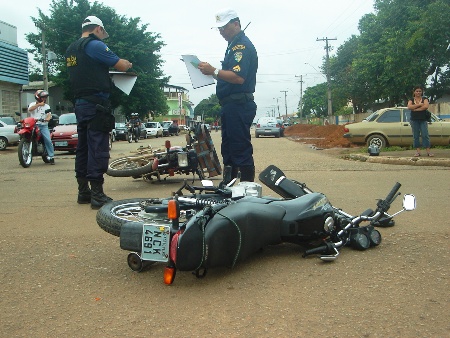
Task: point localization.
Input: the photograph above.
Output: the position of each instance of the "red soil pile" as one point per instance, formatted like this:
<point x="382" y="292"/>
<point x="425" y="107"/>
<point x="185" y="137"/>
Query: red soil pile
<point x="330" y="136"/>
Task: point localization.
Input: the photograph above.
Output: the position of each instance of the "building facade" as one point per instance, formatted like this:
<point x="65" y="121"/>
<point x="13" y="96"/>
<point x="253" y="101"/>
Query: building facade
<point x="13" y="70"/>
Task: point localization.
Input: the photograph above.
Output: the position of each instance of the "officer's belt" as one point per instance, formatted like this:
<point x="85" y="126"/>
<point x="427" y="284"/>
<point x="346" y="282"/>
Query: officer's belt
<point x="95" y="99"/>
<point x="238" y="98"/>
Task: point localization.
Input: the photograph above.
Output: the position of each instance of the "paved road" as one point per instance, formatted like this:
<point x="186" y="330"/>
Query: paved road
<point x="63" y="276"/>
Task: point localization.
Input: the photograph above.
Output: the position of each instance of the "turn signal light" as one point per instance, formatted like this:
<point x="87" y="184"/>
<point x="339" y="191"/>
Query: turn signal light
<point x="169" y="274"/>
<point x="173" y="209"/>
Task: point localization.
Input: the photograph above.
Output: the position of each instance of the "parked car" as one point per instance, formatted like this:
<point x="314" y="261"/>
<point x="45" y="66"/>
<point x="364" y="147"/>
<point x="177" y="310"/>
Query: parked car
<point x="268" y="126"/>
<point x="170" y="128"/>
<point x="65" y="135"/>
<point x="8" y="120"/>
<point x="390" y="127"/>
<point x="120" y="131"/>
<point x="154" y="129"/>
<point x="8" y="135"/>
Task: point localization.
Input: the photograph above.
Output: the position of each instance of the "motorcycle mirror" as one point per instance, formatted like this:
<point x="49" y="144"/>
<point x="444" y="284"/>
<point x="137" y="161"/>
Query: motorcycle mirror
<point x="409" y="202"/>
<point x="207" y="183"/>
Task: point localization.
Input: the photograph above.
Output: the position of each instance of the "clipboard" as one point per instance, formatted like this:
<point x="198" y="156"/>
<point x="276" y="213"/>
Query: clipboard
<point x="198" y="79"/>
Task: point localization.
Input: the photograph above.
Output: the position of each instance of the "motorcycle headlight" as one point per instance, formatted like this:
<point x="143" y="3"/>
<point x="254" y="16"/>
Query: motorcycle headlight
<point x="183" y="160"/>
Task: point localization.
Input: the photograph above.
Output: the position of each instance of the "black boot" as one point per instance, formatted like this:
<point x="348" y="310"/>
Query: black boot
<point x="234" y="172"/>
<point x="84" y="193"/>
<point x="247" y="173"/>
<point x="98" y="197"/>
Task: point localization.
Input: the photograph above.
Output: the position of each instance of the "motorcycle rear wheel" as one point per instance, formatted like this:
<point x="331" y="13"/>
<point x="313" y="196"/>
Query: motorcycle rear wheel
<point x="25" y="153"/>
<point x="113" y="215"/>
<point x="127" y="167"/>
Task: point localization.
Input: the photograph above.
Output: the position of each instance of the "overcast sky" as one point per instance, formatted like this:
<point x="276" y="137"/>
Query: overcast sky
<point x="284" y="33"/>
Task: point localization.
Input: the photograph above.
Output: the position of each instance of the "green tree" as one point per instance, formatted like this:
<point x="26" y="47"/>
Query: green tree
<point x="403" y="44"/>
<point x="208" y="108"/>
<point x="128" y="39"/>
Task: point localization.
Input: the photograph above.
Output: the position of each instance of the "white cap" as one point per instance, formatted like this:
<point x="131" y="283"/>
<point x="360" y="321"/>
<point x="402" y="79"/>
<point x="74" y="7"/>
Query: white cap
<point x="93" y="20"/>
<point x="225" y="16"/>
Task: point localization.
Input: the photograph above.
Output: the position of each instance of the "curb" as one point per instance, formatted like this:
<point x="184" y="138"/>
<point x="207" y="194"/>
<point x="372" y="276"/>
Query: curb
<point x="441" y="162"/>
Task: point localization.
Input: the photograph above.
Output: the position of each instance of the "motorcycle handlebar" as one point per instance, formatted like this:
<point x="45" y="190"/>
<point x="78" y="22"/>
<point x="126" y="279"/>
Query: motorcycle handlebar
<point x="390" y="197"/>
<point x="318" y="250"/>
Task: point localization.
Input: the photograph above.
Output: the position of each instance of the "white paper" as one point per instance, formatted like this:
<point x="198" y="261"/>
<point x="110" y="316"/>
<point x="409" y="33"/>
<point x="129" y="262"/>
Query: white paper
<point x="124" y="81"/>
<point x="198" y="79"/>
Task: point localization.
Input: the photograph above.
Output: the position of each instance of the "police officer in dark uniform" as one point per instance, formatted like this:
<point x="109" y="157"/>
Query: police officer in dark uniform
<point x="88" y="60"/>
<point x="236" y="83"/>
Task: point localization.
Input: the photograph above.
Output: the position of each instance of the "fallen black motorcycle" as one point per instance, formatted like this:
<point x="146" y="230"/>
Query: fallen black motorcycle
<point x="221" y="226"/>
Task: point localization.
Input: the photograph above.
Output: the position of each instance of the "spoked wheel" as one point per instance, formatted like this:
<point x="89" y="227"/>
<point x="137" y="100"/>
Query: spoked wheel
<point x="130" y="137"/>
<point x="25" y="152"/>
<point x="129" y="167"/>
<point x="113" y="215"/>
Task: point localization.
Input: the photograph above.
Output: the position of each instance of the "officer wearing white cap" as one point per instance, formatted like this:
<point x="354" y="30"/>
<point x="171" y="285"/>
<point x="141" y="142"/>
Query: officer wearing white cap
<point x="88" y="61"/>
<point x="236" y="82"/>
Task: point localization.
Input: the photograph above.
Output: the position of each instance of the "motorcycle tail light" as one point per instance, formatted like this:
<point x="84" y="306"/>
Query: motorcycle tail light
<point x="174" y="247"/>
<point x="169" y="274"/>
<point x="183" y="160"/>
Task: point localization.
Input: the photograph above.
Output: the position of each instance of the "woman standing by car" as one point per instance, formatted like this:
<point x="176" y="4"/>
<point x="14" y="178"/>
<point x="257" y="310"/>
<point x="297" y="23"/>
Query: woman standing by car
<point x="419" y="124"/>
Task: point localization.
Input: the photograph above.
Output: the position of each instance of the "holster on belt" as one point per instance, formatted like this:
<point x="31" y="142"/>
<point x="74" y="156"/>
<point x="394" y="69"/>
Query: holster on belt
<point x="104" y="120"/>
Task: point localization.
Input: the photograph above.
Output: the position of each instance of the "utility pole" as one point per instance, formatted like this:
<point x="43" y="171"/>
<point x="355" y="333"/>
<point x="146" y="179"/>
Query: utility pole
<point x="327" y="47"/>
<point x="285" y="102"/>
<point x="44" y="58"/>
<point x="278" y="106"/>
<point x="301" y="97"/>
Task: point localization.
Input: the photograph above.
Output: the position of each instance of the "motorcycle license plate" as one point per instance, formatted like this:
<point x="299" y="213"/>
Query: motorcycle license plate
<point x="155" y="243"/>
<point x="61" y="144"/>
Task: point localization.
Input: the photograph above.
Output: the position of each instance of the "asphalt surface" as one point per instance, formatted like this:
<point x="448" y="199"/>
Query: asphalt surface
<point x="62" y="276"/>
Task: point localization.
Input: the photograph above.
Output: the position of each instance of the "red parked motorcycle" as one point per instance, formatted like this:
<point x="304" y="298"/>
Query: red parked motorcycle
<point x="31" y="142"/>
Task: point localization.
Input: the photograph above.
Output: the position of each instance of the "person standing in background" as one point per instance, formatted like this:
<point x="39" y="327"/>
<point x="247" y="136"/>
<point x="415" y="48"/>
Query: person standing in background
<point x="419" y="124"/>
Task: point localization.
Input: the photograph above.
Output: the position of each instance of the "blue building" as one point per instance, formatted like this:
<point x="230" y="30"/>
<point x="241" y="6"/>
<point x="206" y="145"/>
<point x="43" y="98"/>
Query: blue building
<point x="13" y="70"/>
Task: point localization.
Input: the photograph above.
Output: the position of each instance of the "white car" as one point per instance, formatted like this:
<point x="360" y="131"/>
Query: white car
<point x="154" y="129"/>
<point x="8" y="136"/>
<point x="269" y="126"/>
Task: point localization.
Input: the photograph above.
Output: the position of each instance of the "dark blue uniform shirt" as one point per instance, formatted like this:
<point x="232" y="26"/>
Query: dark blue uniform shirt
<point x="241" y="58"/>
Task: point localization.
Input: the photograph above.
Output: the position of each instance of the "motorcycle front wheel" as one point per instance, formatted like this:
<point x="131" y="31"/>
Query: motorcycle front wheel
<point x="130" y="137"/>
<point x="127" y="167"/>
<point x="25" y="152"/>
<point x="113" y="215"/>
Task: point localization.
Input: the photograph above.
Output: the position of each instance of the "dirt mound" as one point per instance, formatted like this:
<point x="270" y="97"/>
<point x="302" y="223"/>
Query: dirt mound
<point x="330" y="136"/>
